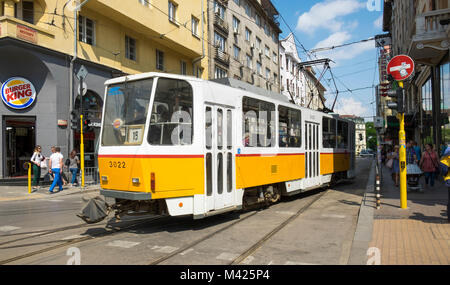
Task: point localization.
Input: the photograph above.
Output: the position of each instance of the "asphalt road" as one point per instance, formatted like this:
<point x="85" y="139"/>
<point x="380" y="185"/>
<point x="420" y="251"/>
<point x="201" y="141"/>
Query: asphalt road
<point x="311" y="228"/>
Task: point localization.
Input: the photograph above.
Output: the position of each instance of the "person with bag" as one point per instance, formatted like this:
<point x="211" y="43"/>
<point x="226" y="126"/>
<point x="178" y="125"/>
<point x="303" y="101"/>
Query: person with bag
<point x="429" y="164"/>
<point x="444" y="170"/>
<point x="74" y="161"/>
<point x="36" y="161"/>
<point x="395" y="169"/>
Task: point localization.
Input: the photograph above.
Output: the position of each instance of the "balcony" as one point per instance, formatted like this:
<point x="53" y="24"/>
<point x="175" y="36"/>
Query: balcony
<point x="221" y="24"/>
<point x="222" y="56"/>
<point x="431" y="40"/>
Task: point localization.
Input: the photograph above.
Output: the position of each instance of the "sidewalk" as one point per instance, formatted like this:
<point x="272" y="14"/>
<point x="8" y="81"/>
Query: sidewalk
<point x="16" y="193"/>
<point x="418" y="235"/>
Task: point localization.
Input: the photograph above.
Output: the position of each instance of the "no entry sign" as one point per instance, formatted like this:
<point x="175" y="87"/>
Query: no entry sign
<point x="400" y="67"/>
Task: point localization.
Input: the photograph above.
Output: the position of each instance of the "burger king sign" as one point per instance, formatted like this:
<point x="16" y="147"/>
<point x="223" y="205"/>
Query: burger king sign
<point x="18" y="93"/>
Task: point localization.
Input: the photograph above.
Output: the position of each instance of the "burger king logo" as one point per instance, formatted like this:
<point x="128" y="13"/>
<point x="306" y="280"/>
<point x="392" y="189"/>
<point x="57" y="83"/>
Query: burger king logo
<point x="18" y="93"/>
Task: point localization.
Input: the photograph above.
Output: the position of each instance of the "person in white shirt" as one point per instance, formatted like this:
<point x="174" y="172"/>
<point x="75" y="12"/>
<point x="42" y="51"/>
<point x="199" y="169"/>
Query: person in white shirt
<point x="56" y="166"/>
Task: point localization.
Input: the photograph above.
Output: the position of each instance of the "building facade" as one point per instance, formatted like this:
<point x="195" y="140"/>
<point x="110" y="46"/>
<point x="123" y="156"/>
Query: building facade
<point x="420" y="29"/>
<point x="244" y="42"/>
<point x="300" y="85"/>
<point x="44" y="43"/>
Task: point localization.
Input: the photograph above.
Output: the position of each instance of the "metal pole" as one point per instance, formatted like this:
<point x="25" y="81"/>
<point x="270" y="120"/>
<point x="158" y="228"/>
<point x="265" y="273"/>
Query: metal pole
<point x="402" y="143"/>
<point x="377" y="187"/>
<point x="81" y="133"/>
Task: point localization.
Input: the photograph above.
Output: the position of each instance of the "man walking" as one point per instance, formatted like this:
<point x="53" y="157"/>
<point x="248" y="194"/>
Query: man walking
<point x="56" y="167"/>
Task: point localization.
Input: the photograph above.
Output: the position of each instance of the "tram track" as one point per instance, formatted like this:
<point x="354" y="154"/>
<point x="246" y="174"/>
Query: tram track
<point x="63" y="243"/>
<point x="254" y="247"/>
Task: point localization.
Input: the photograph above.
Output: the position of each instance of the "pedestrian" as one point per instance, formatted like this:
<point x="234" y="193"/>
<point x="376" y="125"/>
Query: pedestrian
<point x="73" y="167"/>
<point x="417" y="150"/>
<point x="444" y="168"/>
<point x="411" y="157"/>
<point x="63" y="176"/>
<point x="429" y="164"/>
<point x="395" y="169"/>
<point x="56" y="166"/>
<point x="36" y="161"/>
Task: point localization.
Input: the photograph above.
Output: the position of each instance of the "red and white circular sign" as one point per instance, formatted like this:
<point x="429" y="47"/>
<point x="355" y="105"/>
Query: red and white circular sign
<point x="400" y="67"/>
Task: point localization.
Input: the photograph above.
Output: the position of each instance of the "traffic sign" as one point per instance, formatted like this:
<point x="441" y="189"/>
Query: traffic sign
<point x="400" y="67"/>
<point x="82" y="73"/>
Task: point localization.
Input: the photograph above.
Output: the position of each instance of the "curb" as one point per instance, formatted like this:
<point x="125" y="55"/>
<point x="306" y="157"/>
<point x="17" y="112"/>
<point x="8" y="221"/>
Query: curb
<point x="364" y="227"/>
<point x="38" y="196"/>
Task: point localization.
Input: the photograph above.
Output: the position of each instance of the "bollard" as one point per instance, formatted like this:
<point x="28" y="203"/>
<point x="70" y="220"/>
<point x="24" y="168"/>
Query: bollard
<point x="377" y="188"/>
<point x="29" y="177"/>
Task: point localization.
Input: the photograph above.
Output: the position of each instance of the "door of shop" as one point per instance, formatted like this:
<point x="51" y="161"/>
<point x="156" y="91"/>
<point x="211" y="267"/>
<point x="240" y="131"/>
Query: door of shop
<point x="19" y="142"/>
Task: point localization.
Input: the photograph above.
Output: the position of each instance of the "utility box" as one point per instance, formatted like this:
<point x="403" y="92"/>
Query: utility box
<point x="378" y="122"/>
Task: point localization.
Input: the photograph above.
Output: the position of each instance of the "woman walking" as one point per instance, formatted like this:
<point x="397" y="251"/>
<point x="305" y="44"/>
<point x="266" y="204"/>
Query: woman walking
<point x="36" y="160"/>
<point x="429" y="163"/>
<point x="73" y="167"/>
<point x="395" y="170"/>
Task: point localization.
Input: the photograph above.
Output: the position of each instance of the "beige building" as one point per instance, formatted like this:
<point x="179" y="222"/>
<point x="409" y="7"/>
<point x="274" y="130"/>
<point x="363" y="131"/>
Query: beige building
<point x="244" y="42"/>
<point x="421" y="29"/>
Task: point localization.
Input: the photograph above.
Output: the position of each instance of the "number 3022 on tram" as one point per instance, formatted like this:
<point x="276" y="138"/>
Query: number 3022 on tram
<point x="179" y="145"/>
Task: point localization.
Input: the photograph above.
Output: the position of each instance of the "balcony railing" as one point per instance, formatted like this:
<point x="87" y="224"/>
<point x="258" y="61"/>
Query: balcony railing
<point x="221" y="24"/>
<point x="222" y="56"/>
<point x="429" y="23"/>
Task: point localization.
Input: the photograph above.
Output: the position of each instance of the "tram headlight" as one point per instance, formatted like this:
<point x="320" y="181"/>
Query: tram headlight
<point x="105" y="178"/>
<point x="135" y="180"/>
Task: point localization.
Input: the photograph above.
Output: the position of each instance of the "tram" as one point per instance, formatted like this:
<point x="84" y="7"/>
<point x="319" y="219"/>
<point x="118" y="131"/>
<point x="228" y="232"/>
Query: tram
<point x="179" y="145"/>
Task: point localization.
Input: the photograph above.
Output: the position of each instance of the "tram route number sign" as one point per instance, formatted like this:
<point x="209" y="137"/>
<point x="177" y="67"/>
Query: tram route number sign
<point x="400" y="67"/>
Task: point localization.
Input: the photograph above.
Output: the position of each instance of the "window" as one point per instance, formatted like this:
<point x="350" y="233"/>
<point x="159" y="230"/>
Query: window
<point x="159" y="60"/>
<point x="248" y="34"/>
<point x="258" y="68"/>
<point x="258" y="123"/>
<point x="28" y="12"/>
<point x="289" y="123"/>
<point x="130" y="48"/>
<point x="267" y="73"/>
<point x="274" y="57"/>
<point x="219" y="41"/>
<point x="236" y="24"/>
<point x="329" y="132"/>
<point x="236" y="53"/>
<point x="258" y="43"/>
<point x="342" y="134"/>
<point x="86" y="30"/>
<point x="173" y="12"/>
<point x="219" y="9"/>
<point x="238" y="2"/>
<point x="194" y="27"/>
<point x="248" y="9"/>
<point x="145" y="2"/>
<point x="249" y="61"/>
<point x="267" y="51"/>
<point x="171" y="121"/>
<point x="183" y="68"/>
<point x="258" y="20"/>
<point x="126" y="107"/>
<point x="266" y="29"/>
<point x="220" y="73"/>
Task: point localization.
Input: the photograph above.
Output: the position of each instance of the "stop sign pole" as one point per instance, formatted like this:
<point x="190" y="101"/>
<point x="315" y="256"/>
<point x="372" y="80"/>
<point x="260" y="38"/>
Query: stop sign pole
<point x="401" y="67"/>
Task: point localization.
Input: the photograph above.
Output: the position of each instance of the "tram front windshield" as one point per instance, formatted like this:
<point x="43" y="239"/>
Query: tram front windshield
<point x="126" y="110"/>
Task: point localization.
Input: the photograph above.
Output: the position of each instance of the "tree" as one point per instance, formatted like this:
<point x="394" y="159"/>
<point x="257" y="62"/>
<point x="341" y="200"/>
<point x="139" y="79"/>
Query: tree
<point x="371" y="136"/>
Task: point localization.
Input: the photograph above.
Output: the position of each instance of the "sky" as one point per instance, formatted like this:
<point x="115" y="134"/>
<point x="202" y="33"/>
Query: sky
<point x="326" y="23"/>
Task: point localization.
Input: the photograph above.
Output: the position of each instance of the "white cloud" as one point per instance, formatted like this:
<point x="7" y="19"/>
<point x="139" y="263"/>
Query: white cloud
<point x="350" y="106"/>
<point x="327" y="15"/>
<point x="378" y="23"/>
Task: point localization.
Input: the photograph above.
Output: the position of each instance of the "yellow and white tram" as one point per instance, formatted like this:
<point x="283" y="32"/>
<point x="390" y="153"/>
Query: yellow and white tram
<point x="180" y="145"/>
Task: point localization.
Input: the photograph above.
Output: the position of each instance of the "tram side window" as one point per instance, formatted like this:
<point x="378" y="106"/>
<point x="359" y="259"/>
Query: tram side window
<point x="342" y="134"/>
<point x="289" y="123"/>
<point x="258" y="123"/>
<point x="329" y="133"/>
<point x="171" y="122"/>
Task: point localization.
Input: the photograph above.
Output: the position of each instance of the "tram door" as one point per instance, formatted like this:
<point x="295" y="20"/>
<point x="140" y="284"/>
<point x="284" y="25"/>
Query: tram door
<point x="219" y="159"/>
<point x="312" y="155"/>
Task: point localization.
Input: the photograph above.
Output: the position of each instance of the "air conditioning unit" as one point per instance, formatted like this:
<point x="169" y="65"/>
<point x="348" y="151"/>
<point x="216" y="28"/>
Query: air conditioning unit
<point x="236" y="31"/>
<point x="252" y="45"/>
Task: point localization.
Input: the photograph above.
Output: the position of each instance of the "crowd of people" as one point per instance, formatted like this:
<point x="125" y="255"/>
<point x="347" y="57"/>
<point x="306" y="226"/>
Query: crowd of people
<point x="55" y="166"/>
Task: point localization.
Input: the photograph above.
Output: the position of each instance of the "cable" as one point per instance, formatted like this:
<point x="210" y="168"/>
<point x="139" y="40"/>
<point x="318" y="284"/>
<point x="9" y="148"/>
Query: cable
<point x="338" y="46"/>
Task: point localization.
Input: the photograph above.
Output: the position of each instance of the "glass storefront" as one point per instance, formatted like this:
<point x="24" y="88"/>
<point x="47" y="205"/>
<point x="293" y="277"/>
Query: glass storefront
<point x="445" y="102"/>
<point x="427" y="113"/>
<point x="19" y="142"/>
